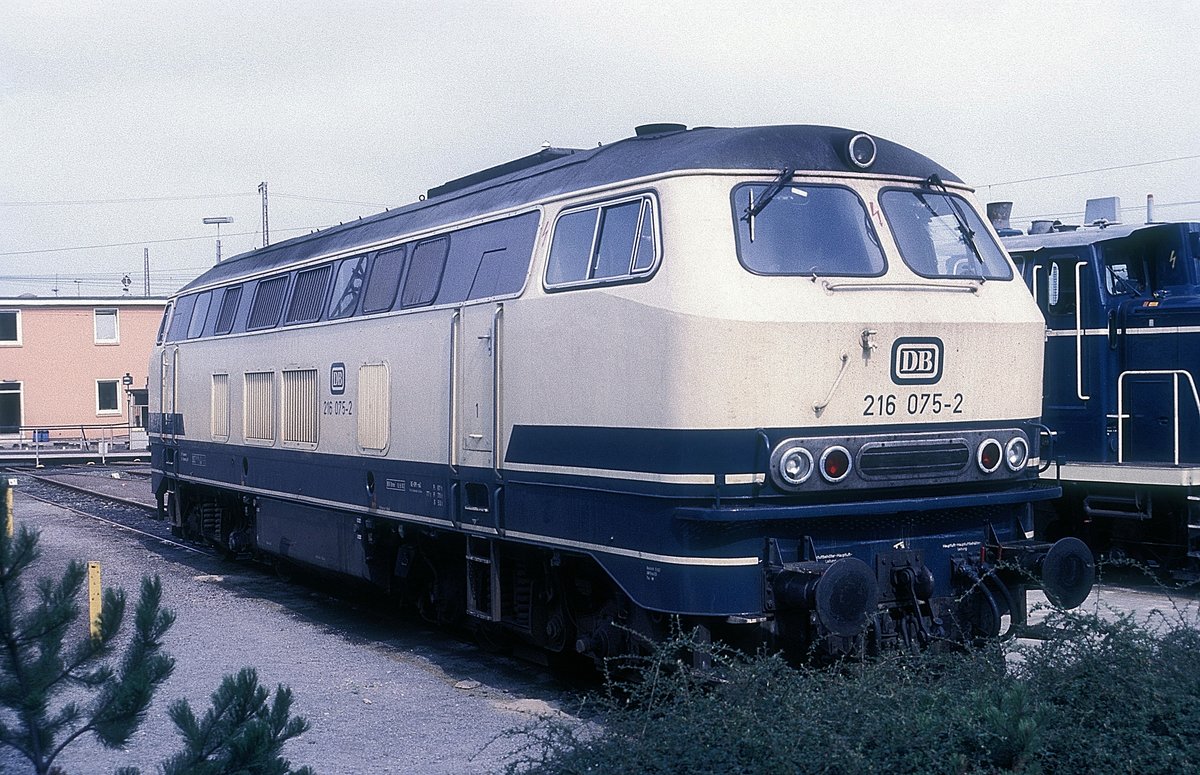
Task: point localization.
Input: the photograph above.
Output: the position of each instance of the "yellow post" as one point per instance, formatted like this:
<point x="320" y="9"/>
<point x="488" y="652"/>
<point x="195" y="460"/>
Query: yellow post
<point x="94" y="598"/>
<point x="8" y="506"/>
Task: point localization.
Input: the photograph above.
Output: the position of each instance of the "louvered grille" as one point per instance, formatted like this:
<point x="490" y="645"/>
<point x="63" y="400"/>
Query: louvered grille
<point x="308" y="297"/>
<point x="373" y="406"/>
<point x="892" y="459"/>
<point x="260" y="406"/>
<point x="300" y="406"/>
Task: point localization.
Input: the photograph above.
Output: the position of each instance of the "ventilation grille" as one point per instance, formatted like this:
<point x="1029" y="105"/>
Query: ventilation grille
<point x="260" y="406"/>
<point x="300" y="406"/>
<point x="374" y="413"/>
<point x="220" y="406"/>
<point x="897" y="459"/>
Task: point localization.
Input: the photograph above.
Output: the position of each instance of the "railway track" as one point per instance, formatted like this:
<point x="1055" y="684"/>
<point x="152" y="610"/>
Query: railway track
<point x="91" y="502"/>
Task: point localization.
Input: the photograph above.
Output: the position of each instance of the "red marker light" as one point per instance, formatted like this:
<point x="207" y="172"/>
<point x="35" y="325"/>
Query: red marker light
<point x="835" y="464"/>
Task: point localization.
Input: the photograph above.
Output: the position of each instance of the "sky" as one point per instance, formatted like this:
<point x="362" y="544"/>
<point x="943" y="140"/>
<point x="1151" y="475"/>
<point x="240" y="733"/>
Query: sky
<point x="124" y="124"/>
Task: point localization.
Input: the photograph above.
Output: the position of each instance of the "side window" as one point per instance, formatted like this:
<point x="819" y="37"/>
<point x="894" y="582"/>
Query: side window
<point x="181" y="319"/>
<point x="228" y="311"/>
<point x="308" y="295"/>
<point x="268" y="303"/>
<point x="347" y="287"/>
<point x="425" y="274"/>
<point x="385" y="280"/>
<point x="1060" y="283"/>
<point x="609" y="242"/>
<point x="199" y="315"/>
<point x="162" y="325"/>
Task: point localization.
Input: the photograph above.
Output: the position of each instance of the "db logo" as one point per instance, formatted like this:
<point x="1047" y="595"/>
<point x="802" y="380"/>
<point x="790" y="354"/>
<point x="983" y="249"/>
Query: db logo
<point x="337" y="379"/>
<point x="916" y="360"/>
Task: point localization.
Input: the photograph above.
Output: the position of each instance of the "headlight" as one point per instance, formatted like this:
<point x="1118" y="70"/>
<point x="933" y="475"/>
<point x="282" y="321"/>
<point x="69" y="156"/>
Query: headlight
<point x="835" y="464"/>
<point x="1016" y="453"/>
<point x="795" y="466"/>
<point x="989" y="456"/>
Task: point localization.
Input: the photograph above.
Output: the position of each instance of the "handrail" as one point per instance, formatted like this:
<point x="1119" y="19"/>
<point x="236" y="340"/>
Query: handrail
<point x="1079" y="331"/>
<point x="1033" y="282"/>
<point x="832" y="287"/>
<point x="497" y="317"/>
<point x="1174" y="374"/>
<point x="452" y="419"/>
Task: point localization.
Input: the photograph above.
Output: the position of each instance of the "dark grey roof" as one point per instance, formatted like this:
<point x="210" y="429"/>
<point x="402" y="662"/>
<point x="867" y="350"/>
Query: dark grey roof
<point x="557" y="171"/>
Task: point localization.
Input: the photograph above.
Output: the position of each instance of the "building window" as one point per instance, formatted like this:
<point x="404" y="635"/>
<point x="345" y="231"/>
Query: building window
<point x="10" y="327"/>
<point x="107" y="391"/>
<point x="259" y="407"/>
<point x="10" y="407"/>
<point x="374" y="418"/>
<point x="107" y="330"/>
<point x="300" y="407"/>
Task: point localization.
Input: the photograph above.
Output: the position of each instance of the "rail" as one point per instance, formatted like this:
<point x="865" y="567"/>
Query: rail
<point x="1175" y="374"/>
<point x="79" y="437"/>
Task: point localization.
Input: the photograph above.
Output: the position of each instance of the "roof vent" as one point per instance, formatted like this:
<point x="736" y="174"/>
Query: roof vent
<point x="648" y="130"/>
<point x="1101" y="212"/>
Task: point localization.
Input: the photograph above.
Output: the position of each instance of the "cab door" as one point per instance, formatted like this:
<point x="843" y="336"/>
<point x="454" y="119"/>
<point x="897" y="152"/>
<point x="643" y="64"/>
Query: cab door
<point x="476" y="426"/>
<point x="1064" y="285"/>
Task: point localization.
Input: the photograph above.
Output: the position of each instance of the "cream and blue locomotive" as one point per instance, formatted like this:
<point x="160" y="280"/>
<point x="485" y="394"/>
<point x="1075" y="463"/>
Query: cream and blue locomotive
<point x="780" y="382"/>
<point x="1122" y="308"/>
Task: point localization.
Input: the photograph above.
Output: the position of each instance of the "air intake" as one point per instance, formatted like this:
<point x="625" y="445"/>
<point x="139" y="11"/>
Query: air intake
<point x="902" y="459"/>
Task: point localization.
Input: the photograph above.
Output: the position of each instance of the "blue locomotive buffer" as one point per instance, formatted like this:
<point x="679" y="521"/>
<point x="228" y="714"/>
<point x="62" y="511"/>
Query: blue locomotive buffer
<point x="1122" y="309"/>
<point x="741" y="376"/>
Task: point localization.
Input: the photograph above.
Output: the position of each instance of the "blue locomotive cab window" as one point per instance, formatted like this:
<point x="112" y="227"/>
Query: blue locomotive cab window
<point x="425" y="275"/>
<point x="384" y="281"/>
<point x="347" y="287"/>
<point x="181" y="319"/>
<point x="228" y="310"/>
<point x="608" y="243"/>
<point x="805" y="230"/>
<point x="941" y="235"/>
<point x="268" y="303"/>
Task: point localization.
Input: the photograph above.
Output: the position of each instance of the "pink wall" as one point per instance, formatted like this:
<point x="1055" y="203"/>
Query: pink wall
<point x="59" y="361"/>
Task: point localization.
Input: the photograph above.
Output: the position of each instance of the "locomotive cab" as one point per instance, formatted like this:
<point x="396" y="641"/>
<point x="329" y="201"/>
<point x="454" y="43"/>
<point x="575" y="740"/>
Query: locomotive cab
<point x="1122" y="310"/>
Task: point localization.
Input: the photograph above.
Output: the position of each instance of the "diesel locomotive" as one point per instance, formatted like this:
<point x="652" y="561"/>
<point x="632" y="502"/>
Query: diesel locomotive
<point x="781" y="382"/>
<point x="1122" y="309"/>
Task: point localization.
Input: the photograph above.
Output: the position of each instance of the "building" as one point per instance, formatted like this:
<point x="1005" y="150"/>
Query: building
<point x="74" y="370"/>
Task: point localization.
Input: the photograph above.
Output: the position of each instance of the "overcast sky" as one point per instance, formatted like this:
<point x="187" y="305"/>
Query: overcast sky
<point x="123" y="124"/>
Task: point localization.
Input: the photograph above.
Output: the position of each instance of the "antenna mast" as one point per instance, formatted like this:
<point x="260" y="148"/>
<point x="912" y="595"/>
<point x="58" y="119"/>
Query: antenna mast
<point x="262" y="189"/>
<point x="146" y="271"/>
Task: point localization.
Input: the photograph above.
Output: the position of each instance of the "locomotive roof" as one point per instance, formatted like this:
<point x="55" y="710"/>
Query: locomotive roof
<point x="1084" y="236"/>
<point x="554" y="171"/>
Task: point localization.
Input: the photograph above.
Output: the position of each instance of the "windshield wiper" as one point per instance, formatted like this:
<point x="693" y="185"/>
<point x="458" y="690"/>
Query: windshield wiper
<point x="754" y="208"/>
<point x="964" y="229"/>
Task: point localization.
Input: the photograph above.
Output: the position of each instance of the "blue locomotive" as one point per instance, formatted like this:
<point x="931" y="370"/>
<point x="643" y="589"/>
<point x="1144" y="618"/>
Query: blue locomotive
<point x="742" y="376"/>
<point x="1122" y="309"/>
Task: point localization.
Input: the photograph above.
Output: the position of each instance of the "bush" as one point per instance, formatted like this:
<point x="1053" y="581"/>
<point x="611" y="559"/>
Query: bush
<point x="1098" y="695"/>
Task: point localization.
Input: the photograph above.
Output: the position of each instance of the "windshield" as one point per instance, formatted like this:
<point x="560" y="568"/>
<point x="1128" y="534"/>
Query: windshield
<point x="941" y="235"/>
<point x="805" y="230"/>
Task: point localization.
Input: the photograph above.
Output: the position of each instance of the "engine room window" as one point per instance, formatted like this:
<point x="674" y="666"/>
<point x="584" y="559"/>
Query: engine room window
<point x="385" y="281"/>
<point x="10" y="326"/>
<point x="347" y="287"/>
<point x="268" y="303"/>
<point x="199" y="315"/>
<point x="106" y="396"/>
<point x="107" y="331"/>
<point x="610" y="242"/>
<point x="228" y="311"/>
<point x="308" y="295"/>
<point x="805" y="230"/>
<point x="425" y="274"/>
<point x="941" y="235"/>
